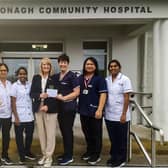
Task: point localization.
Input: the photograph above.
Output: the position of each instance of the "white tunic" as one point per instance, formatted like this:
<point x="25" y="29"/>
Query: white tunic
<point x="5" y="101"/>
<point x="23" y="101"/>
<point x="115" y="100"/>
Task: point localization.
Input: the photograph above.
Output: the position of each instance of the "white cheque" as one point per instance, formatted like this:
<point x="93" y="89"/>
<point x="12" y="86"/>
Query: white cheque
<point x="52" y="92"/>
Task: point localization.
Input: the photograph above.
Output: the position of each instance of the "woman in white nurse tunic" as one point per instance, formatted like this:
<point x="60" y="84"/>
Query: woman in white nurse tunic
<point x="23" y="117"/>
<point x="5" y="112"/>
<point x="117" y="115"/>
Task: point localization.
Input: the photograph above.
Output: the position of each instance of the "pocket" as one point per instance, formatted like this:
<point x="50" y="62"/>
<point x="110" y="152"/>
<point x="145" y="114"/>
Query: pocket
<point x="92" y="109"/>
<point x="69" y="106"/>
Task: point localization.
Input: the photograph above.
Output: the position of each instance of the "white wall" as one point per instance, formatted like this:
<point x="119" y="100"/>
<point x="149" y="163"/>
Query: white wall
<point x="73" y="48"/>
<point x="126" y="51"/>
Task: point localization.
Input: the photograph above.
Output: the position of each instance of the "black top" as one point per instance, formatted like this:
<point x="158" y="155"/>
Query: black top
<point x="65" y="86"/>
<point x="36" y="90"/>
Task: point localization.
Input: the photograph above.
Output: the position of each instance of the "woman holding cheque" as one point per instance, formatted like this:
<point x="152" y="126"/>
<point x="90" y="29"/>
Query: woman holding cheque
<point x="44" y="106"/>
<point x="68" y="90"/>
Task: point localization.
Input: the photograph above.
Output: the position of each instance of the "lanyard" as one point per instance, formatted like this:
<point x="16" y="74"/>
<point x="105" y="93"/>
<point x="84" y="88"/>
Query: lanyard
<point x="86" y="82"/>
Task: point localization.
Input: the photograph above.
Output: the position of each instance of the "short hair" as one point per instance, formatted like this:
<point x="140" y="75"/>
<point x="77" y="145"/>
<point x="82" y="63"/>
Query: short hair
<point x="63" y="57"/>
<point x="92" y="59"/>
<point x="47" y="61"/>
<point x="115" y="61"/>
<point x="21" y="68"/>
<point x="3" y="64"/>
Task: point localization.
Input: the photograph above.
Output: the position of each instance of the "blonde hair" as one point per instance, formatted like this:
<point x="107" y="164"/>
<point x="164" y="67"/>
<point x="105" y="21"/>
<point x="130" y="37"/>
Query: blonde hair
<point x="46" y="61"/>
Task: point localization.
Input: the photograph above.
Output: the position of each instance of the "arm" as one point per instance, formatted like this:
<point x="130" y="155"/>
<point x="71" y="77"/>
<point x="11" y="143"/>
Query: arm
<point x="102" y="101"/>
<point x="34" y="92"/>
<point x="70" y="96"/>
<point x="13" y="102"/>
<point x="125" y="108"/>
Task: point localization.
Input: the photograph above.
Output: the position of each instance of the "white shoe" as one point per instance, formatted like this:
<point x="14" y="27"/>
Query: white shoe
<point x="42" y="160"/>
<point x="48" y="162"/>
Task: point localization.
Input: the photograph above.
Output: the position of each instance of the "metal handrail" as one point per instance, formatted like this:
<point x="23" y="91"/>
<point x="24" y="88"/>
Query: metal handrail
<point x="152" y="160"/>
<point x="148" y="120"/>
<point x="137" y="139"/>
<point x="148" y="94"/>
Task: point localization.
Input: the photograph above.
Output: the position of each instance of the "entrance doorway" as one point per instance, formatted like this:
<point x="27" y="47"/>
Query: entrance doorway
<point x="29" y="55"/>
<point x="29" y="60"/>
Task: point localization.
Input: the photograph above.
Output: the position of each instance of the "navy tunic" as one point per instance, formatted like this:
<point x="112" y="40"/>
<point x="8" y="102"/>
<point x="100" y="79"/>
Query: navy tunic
<point x="65" y="87"/>
<point x="89" y="99"/>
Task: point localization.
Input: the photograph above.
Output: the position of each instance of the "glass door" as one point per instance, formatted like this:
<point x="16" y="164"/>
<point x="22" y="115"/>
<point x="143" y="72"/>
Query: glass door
<point x="28" y="60"/>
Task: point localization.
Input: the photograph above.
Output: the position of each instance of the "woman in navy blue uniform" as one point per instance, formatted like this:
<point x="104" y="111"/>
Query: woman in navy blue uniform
<point x="68" y="90"/>
<point x="93" y="92"/>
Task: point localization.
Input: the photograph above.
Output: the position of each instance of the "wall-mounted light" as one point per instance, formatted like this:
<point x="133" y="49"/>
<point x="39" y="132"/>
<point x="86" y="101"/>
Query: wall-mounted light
<point x="42" y="46"/>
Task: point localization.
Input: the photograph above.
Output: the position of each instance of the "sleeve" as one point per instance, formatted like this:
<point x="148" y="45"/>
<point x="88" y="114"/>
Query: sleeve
<point x="102" y="85"/>
<point x="74" y="81"/>
<point x="34" y="92"/>
<point x="13" y="91"/>
<point x="127" y="87"/>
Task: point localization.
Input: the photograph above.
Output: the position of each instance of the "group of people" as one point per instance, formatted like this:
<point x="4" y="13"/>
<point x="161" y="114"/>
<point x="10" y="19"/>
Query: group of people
<point x="90" y="95"/>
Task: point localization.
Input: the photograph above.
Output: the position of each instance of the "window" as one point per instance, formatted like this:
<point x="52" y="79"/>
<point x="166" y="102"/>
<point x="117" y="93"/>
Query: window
<point x="24" y="54"/>
<point x="98" y="50"/>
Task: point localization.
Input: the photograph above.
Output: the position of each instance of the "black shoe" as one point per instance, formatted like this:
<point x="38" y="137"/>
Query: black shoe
<point x="94" y="159"/>
<point x="119" y="164"/>
<point x="110" y="162"/>
<point x="22" y="160"/>
<point x="65" y="161"/>
<point x="30" y="156"/>
<point x="6" y="160"/>
<point x="86" y="156"/>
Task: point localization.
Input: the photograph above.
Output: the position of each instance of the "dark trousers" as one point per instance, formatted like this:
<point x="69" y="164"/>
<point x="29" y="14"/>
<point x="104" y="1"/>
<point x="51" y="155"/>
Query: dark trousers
<point x="92" y="129"/>
<point x="5" y="125"/>
<point x="118" y="134"/>
<point x="66" y="121"/>
<point x="24" y="145"/>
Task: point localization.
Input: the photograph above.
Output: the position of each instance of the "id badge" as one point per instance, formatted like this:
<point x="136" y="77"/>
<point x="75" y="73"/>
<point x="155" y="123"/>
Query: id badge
<point x="85" y="91"/>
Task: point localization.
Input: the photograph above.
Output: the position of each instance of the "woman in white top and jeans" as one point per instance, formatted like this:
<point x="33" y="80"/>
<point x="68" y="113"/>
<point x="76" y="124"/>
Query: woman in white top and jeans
<point x="22" y="115"/>
<point x="5" y="112"/>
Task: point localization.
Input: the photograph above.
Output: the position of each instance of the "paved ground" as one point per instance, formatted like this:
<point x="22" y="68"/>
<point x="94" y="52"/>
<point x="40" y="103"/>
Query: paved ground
<point x="137" y="160"/>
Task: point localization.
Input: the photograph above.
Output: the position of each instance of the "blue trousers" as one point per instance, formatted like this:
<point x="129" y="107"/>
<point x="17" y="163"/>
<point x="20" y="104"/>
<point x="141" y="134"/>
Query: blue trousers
<point x="118" y="134"/>
<point x="92" y="129"/>
<point x="66" y="121"/>
<point x="5" y="126"/>
<point x="24" y="145"/>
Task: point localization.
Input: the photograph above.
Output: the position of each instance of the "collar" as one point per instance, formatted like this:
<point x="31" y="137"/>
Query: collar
<point x="5" y="82"/>
<point x="119" y="75"/>
<point x="19" y="83"/>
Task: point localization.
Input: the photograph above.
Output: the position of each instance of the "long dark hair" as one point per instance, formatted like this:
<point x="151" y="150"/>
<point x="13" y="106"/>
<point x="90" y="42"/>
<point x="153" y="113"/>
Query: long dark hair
<point x="92" y="59"/>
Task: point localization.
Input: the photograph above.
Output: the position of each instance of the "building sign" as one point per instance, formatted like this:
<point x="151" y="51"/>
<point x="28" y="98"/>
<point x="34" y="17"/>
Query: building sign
<point x="81" y="9"/>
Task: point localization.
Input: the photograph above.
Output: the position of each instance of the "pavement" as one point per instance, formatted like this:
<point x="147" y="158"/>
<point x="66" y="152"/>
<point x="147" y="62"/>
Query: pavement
<point x="136" y="161"/>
